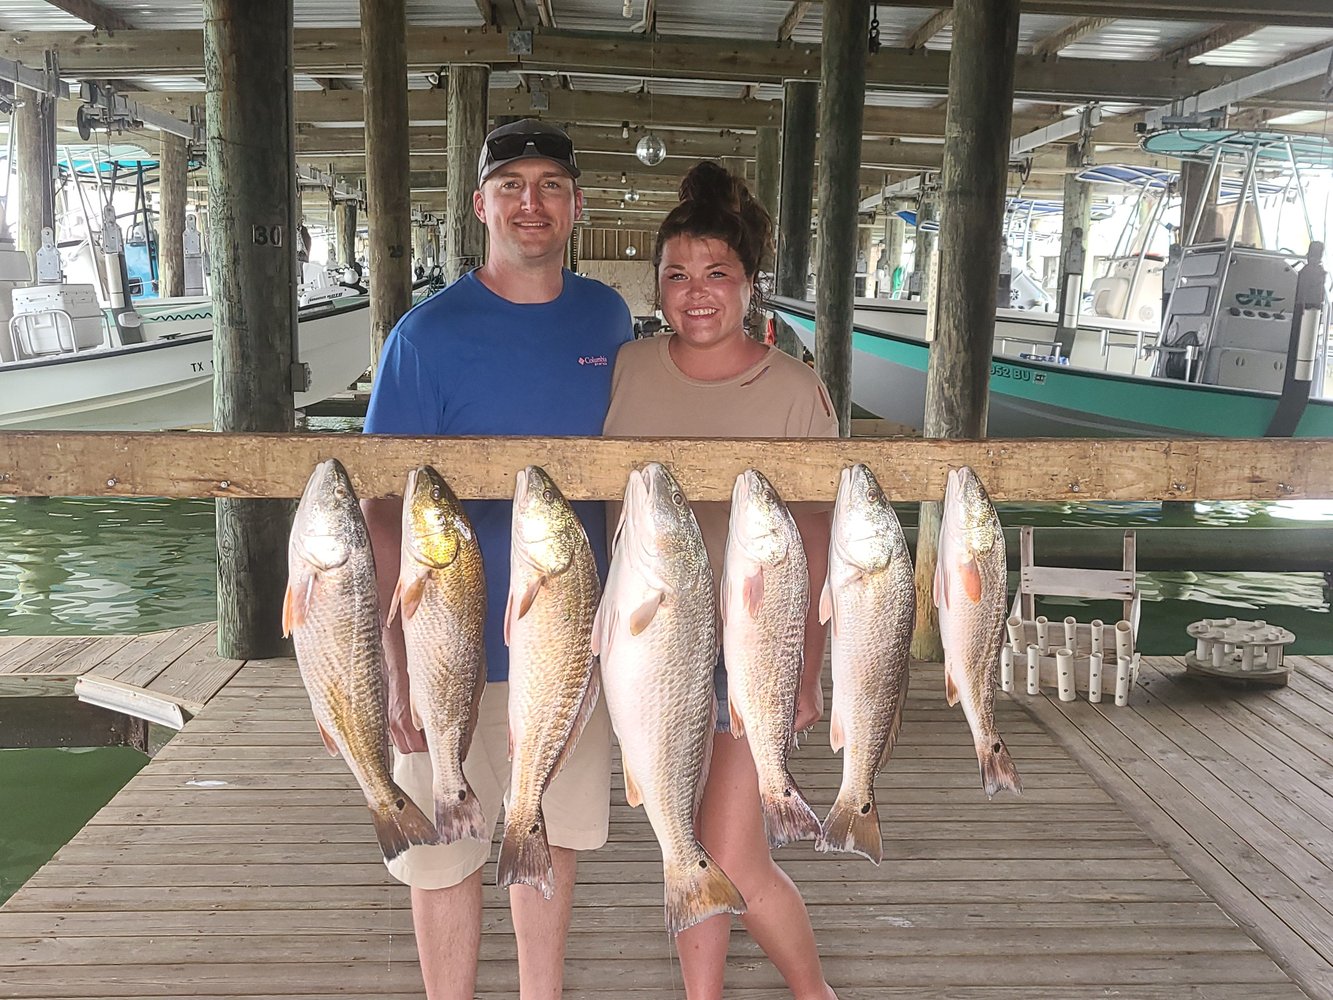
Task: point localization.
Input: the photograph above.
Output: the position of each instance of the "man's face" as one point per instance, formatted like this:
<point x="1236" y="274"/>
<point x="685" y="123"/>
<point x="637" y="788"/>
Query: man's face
<point x="529" y="207"/>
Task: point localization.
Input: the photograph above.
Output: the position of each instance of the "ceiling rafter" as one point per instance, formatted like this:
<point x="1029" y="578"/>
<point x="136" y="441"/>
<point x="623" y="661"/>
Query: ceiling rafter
<point x="794" y="16"/>
<point x="1070" y="34"/>
<point x="929" y="28"/>
<point x="1223" y="34"/>
<point x="102" y="18"/>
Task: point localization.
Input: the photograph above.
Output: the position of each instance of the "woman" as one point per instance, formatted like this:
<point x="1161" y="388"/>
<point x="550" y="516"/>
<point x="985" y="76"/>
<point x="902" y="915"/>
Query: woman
<point x="710" y="379"/>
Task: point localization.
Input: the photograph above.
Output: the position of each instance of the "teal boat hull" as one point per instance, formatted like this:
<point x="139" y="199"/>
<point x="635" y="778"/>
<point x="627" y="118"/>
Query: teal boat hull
<point x="1041" y="399"/>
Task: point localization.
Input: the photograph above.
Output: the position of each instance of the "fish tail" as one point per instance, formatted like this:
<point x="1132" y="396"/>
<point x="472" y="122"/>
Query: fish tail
<point x="787" y="816"/>
<point x="525" y="855"/>
<point x="697" y="889"/>
<point x="997" y="769"/>
<point x="853" y="825"/>
<point x="399" y="824"/>
<point x="458" y="813"/>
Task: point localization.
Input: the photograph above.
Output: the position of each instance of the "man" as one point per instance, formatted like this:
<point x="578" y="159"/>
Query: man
<point x="517" y="346"/>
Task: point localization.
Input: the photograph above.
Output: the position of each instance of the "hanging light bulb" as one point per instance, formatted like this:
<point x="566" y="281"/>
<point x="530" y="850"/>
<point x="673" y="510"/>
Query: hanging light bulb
<point x="651" y="150"/>
<point x="624" y="130"/>
<point x="623" y="178"/>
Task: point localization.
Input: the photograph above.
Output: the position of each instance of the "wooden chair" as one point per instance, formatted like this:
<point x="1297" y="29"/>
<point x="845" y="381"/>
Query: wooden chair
<point x="1026" y="629"/>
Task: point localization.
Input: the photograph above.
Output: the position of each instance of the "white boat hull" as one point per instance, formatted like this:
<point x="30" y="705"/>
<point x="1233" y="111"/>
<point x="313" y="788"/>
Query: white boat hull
<point x="168" y="383"/>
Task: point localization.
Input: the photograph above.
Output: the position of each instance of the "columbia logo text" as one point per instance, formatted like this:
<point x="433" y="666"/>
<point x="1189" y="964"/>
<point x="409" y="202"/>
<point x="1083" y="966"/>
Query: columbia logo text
<point x="597" y="361"/>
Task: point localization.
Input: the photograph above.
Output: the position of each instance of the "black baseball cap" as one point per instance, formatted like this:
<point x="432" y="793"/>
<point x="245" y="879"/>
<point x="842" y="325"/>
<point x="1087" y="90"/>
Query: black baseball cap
<point x="523" y="140"/>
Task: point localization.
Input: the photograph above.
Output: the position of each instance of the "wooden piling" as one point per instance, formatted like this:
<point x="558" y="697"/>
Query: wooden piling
<point x="925" y="263"/>
<point x="35" y="151"/>
<point x="894" y="230"/>
<point x="972" y="199"/>
<point x="465" y="236"/>
<point x="1077" y="216"/>
<point x="768" y="155"/>
<point x="800" y="104"/>
<point x="171" y="176"/>
<point x="841" y="112"/>
<point x="388" y="185"/>
<point x="252" y="206"/>
<point x="344" y="215"/>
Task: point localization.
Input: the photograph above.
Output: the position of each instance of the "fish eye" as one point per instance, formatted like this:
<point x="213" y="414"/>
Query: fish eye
<point x="677" y="499"/>
<point x="435" y="493"/>
<point x="873" y="495"/>
<point x="340" y="491"/>
<point x="547" y="495"/>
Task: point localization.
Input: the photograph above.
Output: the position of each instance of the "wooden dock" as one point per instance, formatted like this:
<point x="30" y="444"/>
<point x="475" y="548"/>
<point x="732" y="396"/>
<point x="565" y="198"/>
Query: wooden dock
<point x="240" y="863"/>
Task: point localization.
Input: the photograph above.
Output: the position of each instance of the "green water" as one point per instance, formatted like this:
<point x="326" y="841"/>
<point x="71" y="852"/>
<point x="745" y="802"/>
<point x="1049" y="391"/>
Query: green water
<point x="90" y="566"/>
<point x="45" y="798"/>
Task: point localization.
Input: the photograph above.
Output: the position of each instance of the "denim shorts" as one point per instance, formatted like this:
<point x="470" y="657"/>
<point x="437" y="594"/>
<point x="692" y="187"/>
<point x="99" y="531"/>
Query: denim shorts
<point x="723" y="724"/>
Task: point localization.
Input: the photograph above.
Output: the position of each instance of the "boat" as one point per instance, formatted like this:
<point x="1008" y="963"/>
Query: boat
<point x="1218" y="367"/>
<point x="67" y="363"/>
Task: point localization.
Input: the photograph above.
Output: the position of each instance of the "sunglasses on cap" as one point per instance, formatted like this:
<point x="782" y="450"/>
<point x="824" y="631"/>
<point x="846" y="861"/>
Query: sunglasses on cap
<point x="548" y="144"/>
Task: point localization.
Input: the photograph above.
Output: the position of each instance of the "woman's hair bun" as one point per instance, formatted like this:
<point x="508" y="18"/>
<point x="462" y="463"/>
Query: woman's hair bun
<point x="710" y="183"/>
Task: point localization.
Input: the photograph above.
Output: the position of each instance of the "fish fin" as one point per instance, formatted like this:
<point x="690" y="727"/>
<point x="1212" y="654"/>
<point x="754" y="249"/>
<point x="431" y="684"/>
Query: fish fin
<point x="752" y="592"/>
<point x="734" y="714"/>
<point x="296" y="602"/>
<point x="329" y="745"/>
<point x="836" y="738"/>
<point x="407" y="594"/>
<point x="529" y="595"/>
<point x="525" y="855"/>
<point x="950" y="688"/>
<point x="633" y="794"/>
<point x="643" y="615"/>
<point x="997" y="769"/>
<point x="412" y="706"/>
<point x="853" y="825"/>
<point x="940" y="585"/>
<point x="400" y="824"/>
<point x="787" y="816"/>
<point x="827" y="609"/>
<point x="697" y="889"/>
<point x="458" y="812"/>
<point x="970" y="574"/>
<point x="509" y="614"/>
<point x="590" y="695"/>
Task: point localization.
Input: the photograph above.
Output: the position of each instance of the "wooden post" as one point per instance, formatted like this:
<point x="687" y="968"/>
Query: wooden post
<point x="800" y="110"/>
<point x="252" y="212"/>
<point x="465" y="237"/>
<point x="924" y="262"/>
<point x="344" y="214"/>
<point x="865" y="238"/>
<point x="388" y="185"/>
<point x="420" y="245"/>
<point x="171" y="173"/>
<point x="768" y="154"/>
<point x="1077" y="216"/>
<point x="841" y="112"/>
<point x="972" y="196"/>
<point x="894" y="230"/>
<point x="35" y="151"/>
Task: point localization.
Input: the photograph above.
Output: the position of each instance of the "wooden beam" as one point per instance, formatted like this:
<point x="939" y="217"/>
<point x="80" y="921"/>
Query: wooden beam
<point x="338" y="50"/>
<point x="928" y="29"/>
<point x="1068" y="35"/>
<point x="100" y="17"/>
<point x="794" y="16"/>
<point x="52" y="463"/>
<point x="1223" y="34"/>
<point x="1305" y="13"/>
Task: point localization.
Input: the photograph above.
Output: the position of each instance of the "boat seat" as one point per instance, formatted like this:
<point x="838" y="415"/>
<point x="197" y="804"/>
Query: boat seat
<point x="1113" y="639"/>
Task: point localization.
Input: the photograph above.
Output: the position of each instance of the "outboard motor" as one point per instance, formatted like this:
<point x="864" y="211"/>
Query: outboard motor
<point x="1301" y="354"/>
<point x="129" y="326"/>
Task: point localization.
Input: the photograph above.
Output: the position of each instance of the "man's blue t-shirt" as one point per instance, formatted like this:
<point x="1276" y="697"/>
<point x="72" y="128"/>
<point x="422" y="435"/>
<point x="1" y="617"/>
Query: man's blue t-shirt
<point x="466" y="362"/>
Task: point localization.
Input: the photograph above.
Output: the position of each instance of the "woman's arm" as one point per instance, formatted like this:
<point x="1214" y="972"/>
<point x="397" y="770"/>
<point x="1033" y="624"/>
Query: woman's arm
<point x="814" y="530"/>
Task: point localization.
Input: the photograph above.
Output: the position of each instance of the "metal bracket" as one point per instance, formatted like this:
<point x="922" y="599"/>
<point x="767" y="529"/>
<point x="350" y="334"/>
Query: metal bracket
<point x="300" y="377"/>
<point x="520" y="42"/>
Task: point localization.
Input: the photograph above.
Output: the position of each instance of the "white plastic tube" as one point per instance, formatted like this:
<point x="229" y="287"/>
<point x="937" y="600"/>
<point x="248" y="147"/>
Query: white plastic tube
<point x="1071" y="627"/>
<point x="1097" y="626"/>
<point x="1042" y="642"/>
<point x="1124" y="639"/>
<point x="1064" y="670"/>
<point x="1122" y="667"/>
<point x="1034" y="669"/>
<point x="1095" y="678"/>
<point x="1007" y="669"/>
<point x="1015" y="627"/>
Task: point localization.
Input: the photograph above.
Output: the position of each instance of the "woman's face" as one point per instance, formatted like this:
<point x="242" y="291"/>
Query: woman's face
<point x="705" y="292"/>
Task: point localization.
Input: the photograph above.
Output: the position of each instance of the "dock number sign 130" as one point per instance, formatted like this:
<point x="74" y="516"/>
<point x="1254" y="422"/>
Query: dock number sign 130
<point x="266" y="236"/>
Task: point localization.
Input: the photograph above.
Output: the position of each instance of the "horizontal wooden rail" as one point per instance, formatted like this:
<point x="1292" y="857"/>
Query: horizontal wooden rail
<point x="52" y="463"/>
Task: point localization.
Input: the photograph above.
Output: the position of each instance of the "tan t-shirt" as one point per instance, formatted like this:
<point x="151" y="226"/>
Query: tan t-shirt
<point x="650" y="397"/>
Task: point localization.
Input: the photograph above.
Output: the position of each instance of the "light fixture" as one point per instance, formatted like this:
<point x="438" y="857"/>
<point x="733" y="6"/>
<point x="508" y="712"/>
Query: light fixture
<point x="630" y="250"/>
<point x="631" y="195"/>
<point x="628" y="9"/>
<point x="651" y="150"/>
<point x="624" y="130"/>
<point x="623" y="178"/>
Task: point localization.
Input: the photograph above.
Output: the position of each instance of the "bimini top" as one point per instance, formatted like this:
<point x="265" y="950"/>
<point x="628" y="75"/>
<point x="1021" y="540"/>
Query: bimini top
<point x="1128" y="175"/>
<point x="1273" y="149"/>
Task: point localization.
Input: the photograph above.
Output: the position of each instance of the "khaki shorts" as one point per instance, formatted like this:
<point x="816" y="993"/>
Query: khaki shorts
<point x="576" y="807"/>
